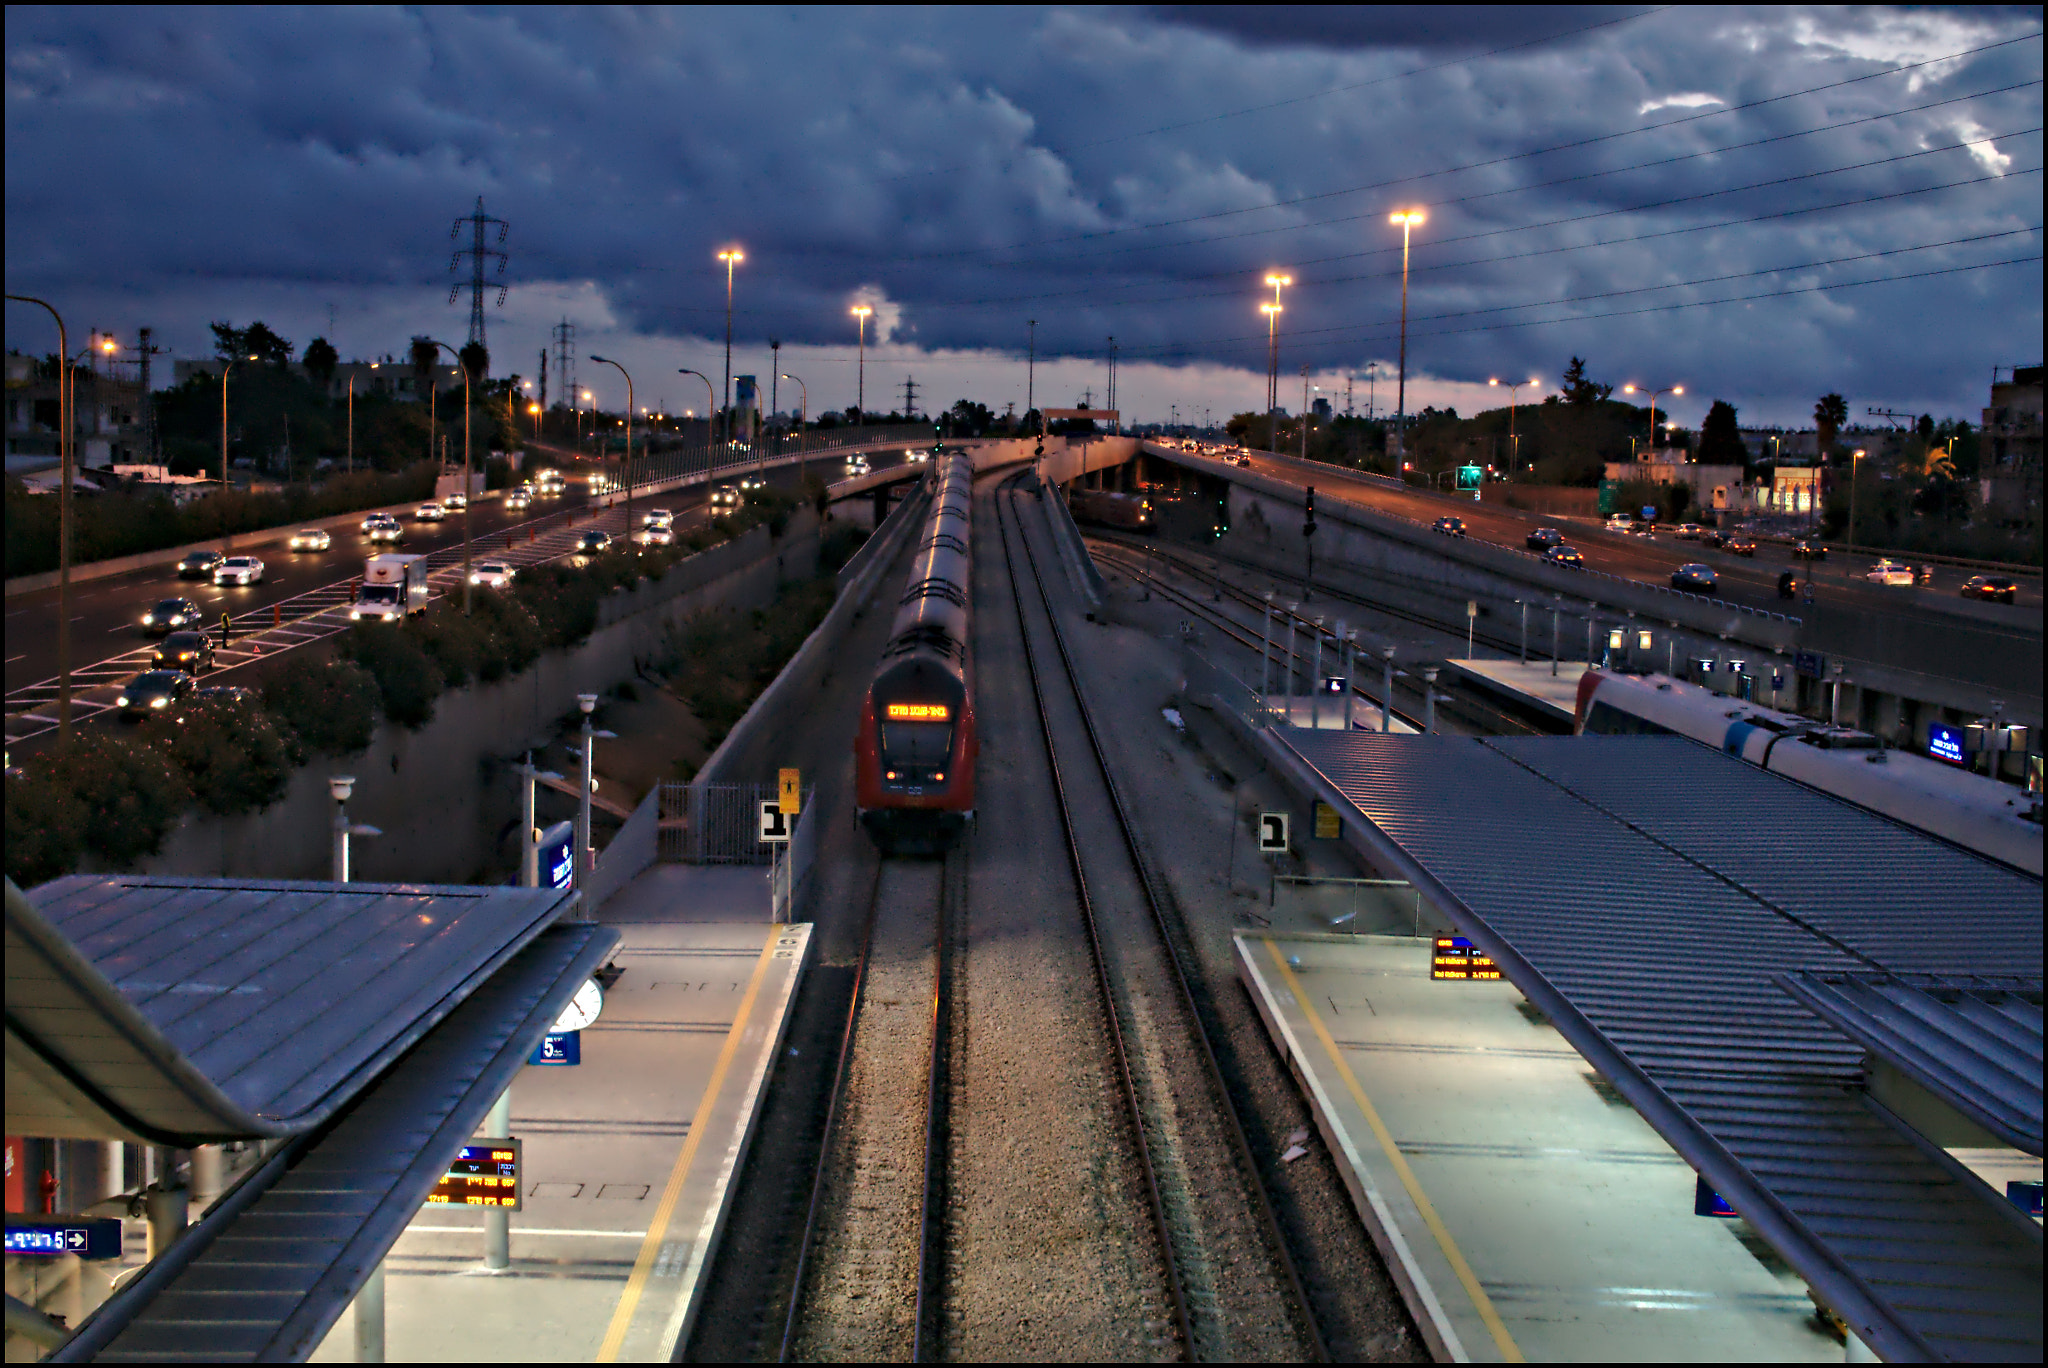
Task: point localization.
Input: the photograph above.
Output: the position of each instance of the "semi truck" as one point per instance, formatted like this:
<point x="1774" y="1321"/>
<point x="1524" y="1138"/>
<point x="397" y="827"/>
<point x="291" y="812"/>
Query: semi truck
<point x="392" y="587"/>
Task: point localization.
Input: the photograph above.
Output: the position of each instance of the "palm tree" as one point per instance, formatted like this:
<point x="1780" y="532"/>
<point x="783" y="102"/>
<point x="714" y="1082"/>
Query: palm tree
<point x="1830" y="411"/>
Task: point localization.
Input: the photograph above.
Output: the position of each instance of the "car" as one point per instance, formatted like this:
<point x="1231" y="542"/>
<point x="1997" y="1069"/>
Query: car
<point x="1997" y="588"/>
<point x="430" y="512"/>
<point x="725" y="501"/>
<point x="455" y="503"/>
<point x="856" y="465"/>
<point x="311" y="539"/>
<point x="1244" y="458"/>
<point x="492" y="574"/>
<point x="189" y="650"/>
<point x="1619" y="522"/>
<point x="518" y="500"/>
<point x="388" y="530"/>
<point x="1688" y="531"/>
<point x="658" y="517"/>
<point x="199" y="565"/>
<point x="1890" y="572"/>
<point x="1738" y="546"/>
<point x="241" y="570"/>
<point x="372" y="519"/>
<point x="593" y="544"/>
<point x="1562" y="554"/>
<point x="1647" y="531"/>
<point x="656" y="536"/>
<point x="169" y="615"/>
<point x="912" y="456"/>
<point x="752" y="483"/>
<point x="224" y="693"/>
<point x="1543" y="538"/>
<point x="1694" y="579"/>
<point x="1809" y="548"/>
<point x="153" y="691"/>
<point x="1450" y="527"/>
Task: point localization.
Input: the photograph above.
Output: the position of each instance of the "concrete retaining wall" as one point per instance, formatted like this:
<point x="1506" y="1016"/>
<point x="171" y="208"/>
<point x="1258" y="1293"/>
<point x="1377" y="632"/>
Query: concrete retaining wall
<point x="446" y="796"/>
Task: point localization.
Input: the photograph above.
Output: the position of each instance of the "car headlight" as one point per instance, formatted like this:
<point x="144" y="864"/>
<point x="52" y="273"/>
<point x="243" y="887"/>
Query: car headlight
<point x="355" y="615"/>
<point x="122" y="701"/>
<point x="149" y="619"/>
<point x="158" y="702"/>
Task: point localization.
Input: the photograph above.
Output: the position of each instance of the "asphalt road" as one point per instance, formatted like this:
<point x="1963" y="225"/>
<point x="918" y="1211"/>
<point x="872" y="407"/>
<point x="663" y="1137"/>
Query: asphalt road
<point x="106" y="615"/>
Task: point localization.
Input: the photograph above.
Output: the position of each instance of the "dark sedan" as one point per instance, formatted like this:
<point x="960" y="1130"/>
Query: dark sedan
<point x="593" y="544"/>
<point x="1809" y="548"/>
<point x="1543" y="538"/>
<point x="1451" y="527"/>
<point x="1994" y="588"/>
<point x="169" y="615"/>
<point x="1694" y="579"/>
<point x="200" y="565"/>
<point x="191" y="652"/>
<point x="1561" y="554"/>
<point x="154" y="691"/>
<point x="1738" y="546"/>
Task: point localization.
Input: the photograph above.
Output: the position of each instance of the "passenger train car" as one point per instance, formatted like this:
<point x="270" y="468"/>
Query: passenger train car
<point x="914" y="758"/>
<point x="1971" y="810"/>
<point x="1132" y="512"/>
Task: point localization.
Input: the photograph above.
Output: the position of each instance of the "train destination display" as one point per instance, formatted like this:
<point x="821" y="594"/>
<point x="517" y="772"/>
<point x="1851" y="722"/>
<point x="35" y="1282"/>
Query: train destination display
<point x="1457" y="958"/>
<point x="485" y="1174"/>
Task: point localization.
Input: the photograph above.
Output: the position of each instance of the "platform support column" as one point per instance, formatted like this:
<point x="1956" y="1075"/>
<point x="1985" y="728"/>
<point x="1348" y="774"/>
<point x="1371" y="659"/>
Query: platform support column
<point x="370" y="1317"/>
<point x="498" y="1220"/>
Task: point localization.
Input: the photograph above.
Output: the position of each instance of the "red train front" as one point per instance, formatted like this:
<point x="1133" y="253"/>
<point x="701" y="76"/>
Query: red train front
<point x="914" y="759"/>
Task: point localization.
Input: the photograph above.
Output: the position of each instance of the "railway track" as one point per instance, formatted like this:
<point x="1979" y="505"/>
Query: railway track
<point x="1231" y="1278"/>
<point x="1131" y="556"/>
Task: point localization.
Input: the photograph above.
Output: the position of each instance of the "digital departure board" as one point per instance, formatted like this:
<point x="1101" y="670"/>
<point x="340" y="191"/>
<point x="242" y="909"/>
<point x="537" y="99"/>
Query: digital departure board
<point x="485" y="1174"/>
<point x="1458" y="958"/>
<point x="917" y="712"/>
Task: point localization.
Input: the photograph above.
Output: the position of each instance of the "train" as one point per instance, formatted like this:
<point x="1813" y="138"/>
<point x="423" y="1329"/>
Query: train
<point x="915" y="753"/>
<point x="1132" y="512"/>
<point x="1974" y="811"/>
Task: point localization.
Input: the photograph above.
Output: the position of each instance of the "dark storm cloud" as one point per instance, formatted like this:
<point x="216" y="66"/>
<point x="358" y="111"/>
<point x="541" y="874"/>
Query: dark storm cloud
<point x="1106" y="172"/>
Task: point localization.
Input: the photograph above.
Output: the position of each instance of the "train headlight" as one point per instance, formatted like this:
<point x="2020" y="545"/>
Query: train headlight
<point x="890" y="775"/>
<point x="938" y="778"/>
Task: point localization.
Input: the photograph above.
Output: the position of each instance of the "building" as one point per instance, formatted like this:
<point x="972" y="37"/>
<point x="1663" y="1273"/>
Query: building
<point x="2009" y="458"/>
<point x="1715" y="488"/>
<point x="107" y="414"/>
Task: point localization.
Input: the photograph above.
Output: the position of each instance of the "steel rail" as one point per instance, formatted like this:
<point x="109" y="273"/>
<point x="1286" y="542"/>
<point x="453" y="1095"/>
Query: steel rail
<point x="817" y="1202"/>
<point x="927" y="1327"/>
<point x="1155" y="904"/>
<point x="1119" y="1052"/>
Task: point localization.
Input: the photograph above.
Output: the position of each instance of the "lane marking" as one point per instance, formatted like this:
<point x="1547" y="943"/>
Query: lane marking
<point x="1482" y="1303"/>
<point x="657" y="1233"/>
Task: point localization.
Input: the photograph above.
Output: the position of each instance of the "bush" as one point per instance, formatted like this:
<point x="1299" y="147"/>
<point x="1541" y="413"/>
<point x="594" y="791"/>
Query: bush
<point x="837" y="546"/>
<point x="45" y="825"/>
<point x="408" y="679"/>
<point x="105" y="795"/>
<point x="323" y="707"/>
<point x="232" y="755"/>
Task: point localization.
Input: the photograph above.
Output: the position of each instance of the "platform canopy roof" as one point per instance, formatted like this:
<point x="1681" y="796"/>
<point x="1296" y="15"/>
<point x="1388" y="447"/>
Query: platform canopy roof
<point x="1657" y="899"/>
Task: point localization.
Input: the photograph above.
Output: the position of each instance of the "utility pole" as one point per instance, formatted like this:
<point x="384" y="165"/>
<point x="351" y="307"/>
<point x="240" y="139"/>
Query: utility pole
<point x="542" y="397"/>
<point x="1031" y="370"/>
<point x="909" y="399"/>
<point x="1348" y="410"/>
<point x="775" y="376"/>
<point x="565" y="359"/>
<point x="479" y="256"/>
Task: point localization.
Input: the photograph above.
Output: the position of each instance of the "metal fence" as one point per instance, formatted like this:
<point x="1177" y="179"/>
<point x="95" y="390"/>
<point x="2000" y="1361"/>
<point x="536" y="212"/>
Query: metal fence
<point x="720" y="824"/>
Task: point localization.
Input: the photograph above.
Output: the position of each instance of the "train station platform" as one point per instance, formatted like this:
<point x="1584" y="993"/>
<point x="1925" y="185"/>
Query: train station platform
<point x="1525" y="1210"/>
<point x="1327" y="714"/>
<point x="629" y="1157"/>
<point x="1531" y="684"/>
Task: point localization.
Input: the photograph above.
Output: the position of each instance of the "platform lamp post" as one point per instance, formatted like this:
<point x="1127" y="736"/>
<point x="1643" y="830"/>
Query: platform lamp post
<point x="339" y="786"/>
<point x="1350" y="672"/>
<point x="586" y="862"/>
<point x="711" y="403"/>
<point x="1408" y="219"/>
<point x="1556" y="606"/>
<point x="64" y="463"/>
<point x="607" y="361"/>
<point x="468" y="595"/>
<point x="1387" y="691"/>
<point x="860" y="400"/>
<point x="803" y="418"/>
<point x="1315" y="683"/>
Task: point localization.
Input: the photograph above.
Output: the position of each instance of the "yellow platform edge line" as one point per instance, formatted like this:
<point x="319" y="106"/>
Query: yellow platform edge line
<point x="1482" y="1303"/>
<point x="657" y="1230"/>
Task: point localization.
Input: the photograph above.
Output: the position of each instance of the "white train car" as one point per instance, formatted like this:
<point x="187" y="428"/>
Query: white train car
<point x="1971" y="810"/>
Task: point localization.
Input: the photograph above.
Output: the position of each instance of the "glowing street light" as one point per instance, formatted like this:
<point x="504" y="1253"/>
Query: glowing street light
<point x="860" y="403"/>
<point x="732" y="257"/>
<point x="1408" y="219"/>
<point x="1513" y="445"/>
<point x="1272" y="312"/>
<point x="1672" y="389"/>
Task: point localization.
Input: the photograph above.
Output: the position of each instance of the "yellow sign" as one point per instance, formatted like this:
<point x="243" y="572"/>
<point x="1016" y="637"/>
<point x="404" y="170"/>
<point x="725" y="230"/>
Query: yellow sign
<point x="917" y="712"/>
<point x="791" y="792"/>
<point x="1327" y="828"/>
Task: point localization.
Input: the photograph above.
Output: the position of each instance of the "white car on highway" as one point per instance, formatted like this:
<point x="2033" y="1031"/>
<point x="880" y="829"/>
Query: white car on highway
<point x="1890" y="572"/>
<point x="311" y="539"/>
<point x="658" y="517"/>
<point x="492" y="574"/>
<point x="239" y="570"/>
<point x="856" y="465"/>
<point x="455" y="503"/>
<point x="431" y="512"/>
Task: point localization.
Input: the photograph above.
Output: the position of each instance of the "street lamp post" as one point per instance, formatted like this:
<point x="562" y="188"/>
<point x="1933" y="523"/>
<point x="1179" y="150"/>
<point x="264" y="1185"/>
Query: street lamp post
<point x="1514" y="446"/>
<point x="1408" y="219"/>
<point x="732" y="257"/>
<point x="1672" y="389"/>
<point x="607" y="361"/>
<point x="860" y="401"/>
<point x="1304" y="413"/>
<point x="463" y="366"/>
<point x="712" y="402"/>
<point x="1272" y="312"/>
<point x="64" y="461"/>
<point x="1854" y="459"/>
<point x="803" y="466"/>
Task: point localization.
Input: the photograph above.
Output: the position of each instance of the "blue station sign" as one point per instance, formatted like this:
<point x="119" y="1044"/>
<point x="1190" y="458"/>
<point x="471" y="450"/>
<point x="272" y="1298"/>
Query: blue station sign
<point x="558" y="856"/>
<point x="1947" y="743"/>
<point x="558" y="1048"/>
<point x="49" y="1237"/>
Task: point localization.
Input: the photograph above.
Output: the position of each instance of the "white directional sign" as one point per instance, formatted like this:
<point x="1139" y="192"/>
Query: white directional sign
<point x="774" y="823"/>
<point x="1272" y="833"/>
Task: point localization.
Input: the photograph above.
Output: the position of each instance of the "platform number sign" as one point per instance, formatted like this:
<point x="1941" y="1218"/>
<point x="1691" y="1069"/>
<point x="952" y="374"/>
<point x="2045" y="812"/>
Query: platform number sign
<point x="1272" y="833"/>
<point x="774" y="823"/>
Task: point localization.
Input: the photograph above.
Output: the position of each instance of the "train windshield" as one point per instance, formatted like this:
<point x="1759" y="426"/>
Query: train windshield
<point x="920" y="745"/>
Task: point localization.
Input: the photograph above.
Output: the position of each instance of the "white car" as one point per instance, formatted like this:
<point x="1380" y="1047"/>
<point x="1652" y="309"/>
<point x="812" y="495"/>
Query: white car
<point x="856" y="465"/>
<point x="455" y="503"/>
<point x="386" y="531"/>
<point x="518" y="500"/>
<point x="1620" y="522"/>
<point x="239" y="570"/>
<point x="916" y="457"/>
<point x="430" y="512"/>
<point x="1890" y="572"/>
<point x="311" y="539"/>
<point x="492" y="574"/>
<point x="658" y="517"/>
<point x="661" y="534"/>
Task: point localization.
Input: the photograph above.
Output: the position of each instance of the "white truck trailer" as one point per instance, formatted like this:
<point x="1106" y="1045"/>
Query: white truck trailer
<point x="393" y="586"/>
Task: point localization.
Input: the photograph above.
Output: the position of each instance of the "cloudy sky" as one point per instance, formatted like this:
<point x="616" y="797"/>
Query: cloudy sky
<point x="1760" y="204"/>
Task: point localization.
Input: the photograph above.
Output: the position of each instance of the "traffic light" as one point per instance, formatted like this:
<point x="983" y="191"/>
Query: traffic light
<point x="1308" y="527"/>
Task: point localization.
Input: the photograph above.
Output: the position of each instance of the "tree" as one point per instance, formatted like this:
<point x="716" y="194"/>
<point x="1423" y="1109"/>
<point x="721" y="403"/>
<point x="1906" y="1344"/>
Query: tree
<point x="1830" y="411"/>
<point x="320" y="361"/>
<point x="969" y="418"/>
<point x="1721" y="437"/>
<point x="476" y="359"/>
<point x="423" y="354"/>
<point x="1578" y="389"/>
<point x="263" y="344"/>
